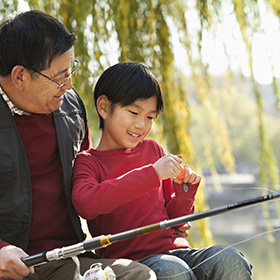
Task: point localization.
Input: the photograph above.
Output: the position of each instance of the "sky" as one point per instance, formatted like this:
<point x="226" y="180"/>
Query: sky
<point x="265" y="47"/>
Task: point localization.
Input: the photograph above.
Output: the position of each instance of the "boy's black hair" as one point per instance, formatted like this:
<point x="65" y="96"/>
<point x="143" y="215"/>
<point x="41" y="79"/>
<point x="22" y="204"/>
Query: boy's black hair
<point x="124" y="83"/>
<point x="32" y="39"/>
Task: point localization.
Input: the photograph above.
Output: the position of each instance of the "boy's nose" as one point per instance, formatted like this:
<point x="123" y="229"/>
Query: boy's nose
<point x="140" y="124"/>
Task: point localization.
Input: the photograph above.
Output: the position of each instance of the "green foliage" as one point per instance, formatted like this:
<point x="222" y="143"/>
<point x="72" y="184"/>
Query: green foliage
<point x="6" y="8"/>
<point x="275" y="6"/>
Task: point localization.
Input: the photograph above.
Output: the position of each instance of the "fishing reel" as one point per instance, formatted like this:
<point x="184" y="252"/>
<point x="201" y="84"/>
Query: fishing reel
<point x="95" y="272"/>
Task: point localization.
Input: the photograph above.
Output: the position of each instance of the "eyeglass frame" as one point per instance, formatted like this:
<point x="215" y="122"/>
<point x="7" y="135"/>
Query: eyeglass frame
<point x="60" y="85"/>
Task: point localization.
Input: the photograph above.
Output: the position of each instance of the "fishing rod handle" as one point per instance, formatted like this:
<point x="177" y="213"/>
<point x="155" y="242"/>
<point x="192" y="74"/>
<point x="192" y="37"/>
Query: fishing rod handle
<point x="55" y="254"/>
<point x="37" y="259"/>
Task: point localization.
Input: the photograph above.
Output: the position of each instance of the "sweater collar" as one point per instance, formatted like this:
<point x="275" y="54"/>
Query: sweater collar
<point x="13" y="108"/>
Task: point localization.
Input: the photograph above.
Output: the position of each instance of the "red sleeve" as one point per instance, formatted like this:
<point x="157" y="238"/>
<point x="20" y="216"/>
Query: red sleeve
<point x="92" y="198"/>
<point x="3" y="244"/>
<point x="178" y="201"/>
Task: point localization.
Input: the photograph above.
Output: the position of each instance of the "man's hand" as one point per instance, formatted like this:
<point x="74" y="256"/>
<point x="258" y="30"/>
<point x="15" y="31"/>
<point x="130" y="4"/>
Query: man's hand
<point x="183" y="230"/>
<point x="11" y="265"/>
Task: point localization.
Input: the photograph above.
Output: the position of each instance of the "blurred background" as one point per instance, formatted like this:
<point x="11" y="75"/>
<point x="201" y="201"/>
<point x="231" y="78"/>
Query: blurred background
<point x="219" y="66"/>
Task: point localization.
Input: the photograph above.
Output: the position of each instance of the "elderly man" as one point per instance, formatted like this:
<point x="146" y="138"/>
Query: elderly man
<point x="43" y="126"/>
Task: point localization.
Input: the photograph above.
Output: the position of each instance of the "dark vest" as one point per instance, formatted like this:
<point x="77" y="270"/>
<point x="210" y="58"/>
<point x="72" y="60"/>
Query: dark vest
<point x="15" y="184"/>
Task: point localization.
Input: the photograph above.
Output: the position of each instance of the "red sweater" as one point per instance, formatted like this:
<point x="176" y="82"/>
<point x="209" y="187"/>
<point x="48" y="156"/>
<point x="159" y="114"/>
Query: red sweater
<point x="118" y="190"/>
<point x="51" y="227"/>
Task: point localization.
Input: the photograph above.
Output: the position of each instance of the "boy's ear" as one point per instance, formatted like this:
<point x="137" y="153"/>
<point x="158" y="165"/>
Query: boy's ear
<point x="18" y="76"/>
<point x="103" y="106"/>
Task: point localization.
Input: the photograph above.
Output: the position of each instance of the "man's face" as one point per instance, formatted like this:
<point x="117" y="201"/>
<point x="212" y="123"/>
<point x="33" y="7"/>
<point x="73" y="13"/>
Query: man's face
<point x="41" y="95"/>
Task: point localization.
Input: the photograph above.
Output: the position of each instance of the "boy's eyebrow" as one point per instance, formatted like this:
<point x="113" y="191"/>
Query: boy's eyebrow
<point x="140" y="107"/>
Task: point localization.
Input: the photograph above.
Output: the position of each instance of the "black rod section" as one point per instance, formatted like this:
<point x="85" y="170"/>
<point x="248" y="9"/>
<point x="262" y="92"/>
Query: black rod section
<point x="103" y="241"/>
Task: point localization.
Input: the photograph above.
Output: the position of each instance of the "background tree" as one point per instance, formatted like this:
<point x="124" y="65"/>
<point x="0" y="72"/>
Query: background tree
<point x="143" y="31"/>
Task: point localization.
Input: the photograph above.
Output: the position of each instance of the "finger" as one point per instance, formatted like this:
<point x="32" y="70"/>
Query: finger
<point x="32" y="270"/>
<point x="177" y="167"/>
<point x="185" y="227"/>
<point x="175" y="172"/>
<point x="20" y="269"/>
<point x="19" y="273"/>
<point x="197" y="180"/>
<point x="177" y="158"/>
<point x="14" y="274"/>
<point x="183" y="234"/>
<point x="191" y="176"/>
<point x="188" y="173"/>
<point x="194" y="178"/>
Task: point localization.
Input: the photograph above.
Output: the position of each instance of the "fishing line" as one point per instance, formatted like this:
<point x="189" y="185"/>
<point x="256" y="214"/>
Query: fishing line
<point x="225" y="248"/>
<point x="236" y="243"/>
<point x="250" y="188"/>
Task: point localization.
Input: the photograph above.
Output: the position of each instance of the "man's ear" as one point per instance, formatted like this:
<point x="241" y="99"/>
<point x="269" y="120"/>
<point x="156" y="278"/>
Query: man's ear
<point x="103" y="106"/>
<point x="18" y="76"/>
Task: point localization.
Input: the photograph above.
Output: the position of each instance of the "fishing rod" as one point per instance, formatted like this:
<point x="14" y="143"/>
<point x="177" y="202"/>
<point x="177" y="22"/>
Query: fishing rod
<point x="105" y="240"/>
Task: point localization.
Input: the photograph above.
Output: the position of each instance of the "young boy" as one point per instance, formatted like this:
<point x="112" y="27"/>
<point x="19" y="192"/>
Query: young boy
<point x="129" y="182"/>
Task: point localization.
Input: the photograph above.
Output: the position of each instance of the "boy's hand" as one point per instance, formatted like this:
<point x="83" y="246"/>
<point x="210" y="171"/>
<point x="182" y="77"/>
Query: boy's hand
<point x="183" y="230"/>
<point x="168" y="166"/>
<point x="187" y="175"/>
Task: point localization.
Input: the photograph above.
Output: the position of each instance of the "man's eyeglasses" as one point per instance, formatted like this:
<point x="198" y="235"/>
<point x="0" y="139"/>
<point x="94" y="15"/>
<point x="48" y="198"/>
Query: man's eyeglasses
<point x="60" y="85"/>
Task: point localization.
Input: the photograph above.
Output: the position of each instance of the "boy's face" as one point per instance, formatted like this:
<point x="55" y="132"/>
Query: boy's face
<point x="125" y="127"/>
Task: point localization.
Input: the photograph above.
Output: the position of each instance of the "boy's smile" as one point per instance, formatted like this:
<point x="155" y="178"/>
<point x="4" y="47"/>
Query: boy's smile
<point x="125" y="127"/>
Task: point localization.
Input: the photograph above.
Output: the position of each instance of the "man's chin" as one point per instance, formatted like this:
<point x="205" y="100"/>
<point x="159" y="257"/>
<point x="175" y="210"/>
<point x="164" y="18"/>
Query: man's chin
<point x="56" y="106"/>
